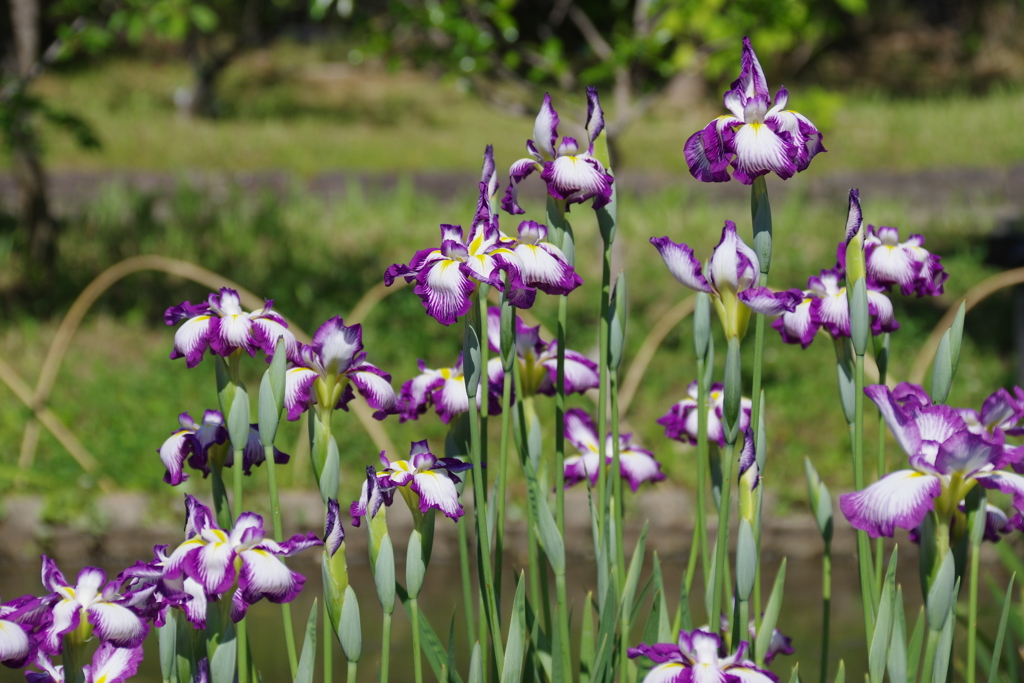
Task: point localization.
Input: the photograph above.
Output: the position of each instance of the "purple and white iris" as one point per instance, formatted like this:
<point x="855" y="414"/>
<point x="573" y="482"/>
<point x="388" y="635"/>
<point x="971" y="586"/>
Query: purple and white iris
<point x="906" y="264"/>
<point x="757" y="138"/>
<point x="541" y="264"/>
<point x="194" y="441"/>
<point x="695" y="659"/>
<point x="538" y="360"/>
<point x="149" y="580"/>
<point x="680" y="422"/>
<point x="325" y="371"/>
<point x="432" y="479"/>
<point x="91" y="598"/>
<point x="110" y="664"/>
<point x="636" y="465"/>
<point x="446" y="276"/>
<point x="217" y="559"/>
<point x="18" y="619"/>
<point x="947" y="461"/>
<point x="733" y="273"/>
<point x="570" y="170"/>
<point x="220" y="325"/>
<point x="445" y="390"/>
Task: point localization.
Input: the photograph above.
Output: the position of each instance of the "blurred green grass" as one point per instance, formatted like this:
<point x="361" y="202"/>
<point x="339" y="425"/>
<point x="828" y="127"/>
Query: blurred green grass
<point x="298" y="108"/>
<point x="121" y="395"/>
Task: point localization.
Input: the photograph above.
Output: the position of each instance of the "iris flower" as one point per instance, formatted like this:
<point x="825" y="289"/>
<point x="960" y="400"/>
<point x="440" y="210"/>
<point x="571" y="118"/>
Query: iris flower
<point x="446" y="276"/>
<point x="680" y="422"/>
<point x="541" y="264"/>
<point x="538" y="360"/>
<point x="432" y="479"/>
<point x="194" y="441"/>
<point x="757" y="138"/>
<point x="570" y="170"/>
<point x="907" y="264"/>
<point x="220" y="325"/>
<point x="110" y="664"/>
<point x="216" y="559"/>
<point x="163" y="593"/>
<point x="733" y="273"/>
<point x="326" y="370"/>
<point x="947" y="461"/>
<point x="445" y="390"/>
<point x="93" y="598"/>
<point x="18" y="619"/>
<point x="636" y="465"/>
<point x="695" y="659"/>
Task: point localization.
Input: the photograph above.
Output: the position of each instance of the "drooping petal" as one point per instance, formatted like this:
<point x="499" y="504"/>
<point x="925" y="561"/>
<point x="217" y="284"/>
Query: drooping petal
<point x="192" y="339"/>
<point x="65" y="618"/>
<point x="747" y="672"/>
<point x="264" y="576"/>
<point x="681" y="262"/>
<point x="545" y="267"/>
<point x="451" y="399"/>
<point x="15" y="646"/>
<point x="797" y="326"/>
<point x="832" y="311"/>
<point x="902" y="425"/>
<point x="890" y="265"/>
<point x="437" y="491"/>
<point x="1006" y="482"/>
<point x="900" y="499"/>
<point x="297" y="391"/>
<point x="578" y="178"/>
<point x="375" y="386"/>
<point x="760" y="150"/>
<point x="637" y="465"/>
<point x="517" y="173"/>
<point x="173" y="453"/>
<point x="880" y="310"/>
<point x="112" y="664"/>
<point x="117" y="624"/>
<point x="1001" y="410"/>
<point x="580" y="430"/>
<point x="765" y="301"/>
<point x="212" y="566"/>
<point x="669" y="672"/>
<point x="577" y="468"/>
<point x="707" y="151"/>
<point x="444" y="290"/>
<point x="804" y="134"/>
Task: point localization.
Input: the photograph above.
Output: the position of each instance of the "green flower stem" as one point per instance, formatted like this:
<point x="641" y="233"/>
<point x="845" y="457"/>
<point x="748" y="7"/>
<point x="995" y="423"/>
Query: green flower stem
<point x="417" y="663"/>
<point x="352" y="668"/>
<point x="485" y="383"/>
<point x="826" y="607"/>
<point x="602" y="401"/>
<point x="243" y="652"/>
<point x="867" y="585"/>
<point x="563" y="316"/>
<point x="972" y="605"/>
<point x="275" y="512"/>
<point x="616" y="475"/>
<point x="722" y="548"/>
<point x="221" y="504"/>
<point x="479" y="498"/>
<point x="929" y="655"/>
<point x="467" y="584"/>
<point x="238" y="468"/>
<point x="562" y="606"/>
<point x="328" y="650"/>
<point x="700" y="531"/>
<point x="506" y="428"/>
<point x="385" y="648"/>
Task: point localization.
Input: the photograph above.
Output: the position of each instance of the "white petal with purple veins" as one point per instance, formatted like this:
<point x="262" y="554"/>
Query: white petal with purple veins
<point x="900" y="499"/>
<point x="117" y="624"/>
<point x="681" y="262"/>
<point x="264" y="575"/>
<point x="759" y="150"/>
<point x="297" y="395"/>
<point x="765" y="301"/>
<point x="377" y="391"/>
<point x="902" y="425"/>
<point x="669" y="672"/>
<point x="445" y="291"/>
<point x="113" y="664"/>
<point x="191" y="339"/>
<point x="14" y="643"/>
<point x="750" y="674"/>
<point x="580" y="430"/>
<point x="437" y="490"/>
<point x="338" y="344"/>
<point x="639" y="466"/>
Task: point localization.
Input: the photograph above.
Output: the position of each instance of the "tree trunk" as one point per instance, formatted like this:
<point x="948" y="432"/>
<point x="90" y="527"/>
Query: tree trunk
<point x="28" y="169"/>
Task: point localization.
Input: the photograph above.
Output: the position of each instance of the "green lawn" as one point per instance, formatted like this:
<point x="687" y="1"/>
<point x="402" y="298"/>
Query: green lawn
<point x="288" y="108"/>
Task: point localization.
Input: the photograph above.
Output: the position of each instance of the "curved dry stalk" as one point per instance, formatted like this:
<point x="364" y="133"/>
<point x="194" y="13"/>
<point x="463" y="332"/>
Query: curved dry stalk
<point x="76" y="314"/>
<point x="973" y="297"/>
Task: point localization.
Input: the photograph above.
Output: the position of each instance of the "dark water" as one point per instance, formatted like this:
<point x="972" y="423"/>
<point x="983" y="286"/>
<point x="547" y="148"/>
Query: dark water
<point x="441" y="600"/>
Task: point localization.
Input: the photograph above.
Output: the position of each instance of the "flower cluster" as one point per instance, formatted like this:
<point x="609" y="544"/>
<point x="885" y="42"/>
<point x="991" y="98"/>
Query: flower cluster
<point x="220" y="325"/>
<point x="825" y="305"/>
<point x="430" y="479"/>
<point x="680" y="422"/>
<point x="447" y="275"/>
<point x="636" y="465"/>
<point x="538" y="360"/>
<point x="572" y="173"/>
<point x="733" y="274"/>
<point x="194" y="441"/>
<point x="948" y="456"/>
<point x="757" y="138"/>
<point x="696" y="657"/>
<point x="445" y="390"/>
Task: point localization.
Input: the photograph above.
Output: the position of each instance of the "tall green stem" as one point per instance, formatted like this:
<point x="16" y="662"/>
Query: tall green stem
<point x="826" y="607"/>
<point x="506" y="428"/>
<point x="221" y="504"/>
<point x="563" y="319"/>
<point x="616" y="475"/>
<point x="977" y="535"/>
<point x="385" y="648"/>
<point x="864" y="563"/>
<point x="471" y="351"/>
<point x="467" y="584"/>
<point x="352" y="669"/>
<point x="275" y="513"/>
<point x="243" y="652"/>
<point x="328" y="649"/>
<point x="602" y="401"/>
<point x="417" y="664"/>
<point x="722" y="544"/>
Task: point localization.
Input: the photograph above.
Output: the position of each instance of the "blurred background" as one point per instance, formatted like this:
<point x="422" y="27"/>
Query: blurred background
<point x="299" y="149"/>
